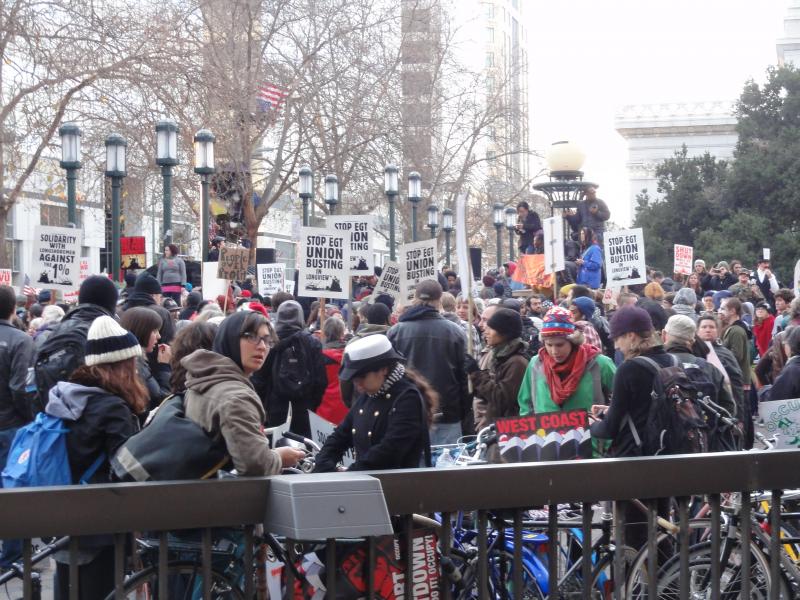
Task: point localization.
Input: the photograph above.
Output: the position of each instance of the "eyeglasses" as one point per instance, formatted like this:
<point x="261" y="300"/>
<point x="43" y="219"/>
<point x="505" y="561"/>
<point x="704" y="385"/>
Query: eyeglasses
<point x="255" y="339"/>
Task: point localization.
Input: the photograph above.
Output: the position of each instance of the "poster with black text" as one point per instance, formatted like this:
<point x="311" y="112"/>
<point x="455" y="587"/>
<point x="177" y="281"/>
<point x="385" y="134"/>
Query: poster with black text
<point x="57" y="258"/>
<point x="417" y="263"/>
<point x="625" y="264"/>
<point x="324" y="263"/>
<point x="359" y="228"/>
<point x="390" y="281"/>
<point x="271" y="278"/>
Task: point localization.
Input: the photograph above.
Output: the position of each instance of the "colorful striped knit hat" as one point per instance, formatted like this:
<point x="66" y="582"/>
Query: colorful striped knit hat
<point x="557" y="322"/>
<point x="108" y="342"/>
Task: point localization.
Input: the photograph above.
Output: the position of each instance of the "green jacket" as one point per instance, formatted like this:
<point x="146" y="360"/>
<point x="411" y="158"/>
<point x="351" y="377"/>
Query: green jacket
<point x="735" y="339"/>
<point x="594" y="388"/>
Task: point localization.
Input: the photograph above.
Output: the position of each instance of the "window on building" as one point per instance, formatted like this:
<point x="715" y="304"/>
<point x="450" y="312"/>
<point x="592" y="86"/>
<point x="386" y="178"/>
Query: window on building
<point x="55" y="215"/>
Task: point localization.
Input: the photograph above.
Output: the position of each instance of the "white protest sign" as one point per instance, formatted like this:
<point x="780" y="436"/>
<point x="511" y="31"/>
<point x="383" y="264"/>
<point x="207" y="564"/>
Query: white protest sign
<point x="765" y="253"/>
<point x="389" y="283"/>
<point x="324" y="263"/>
<point x="213" y="286"/>
<point x="321" y="429"/>
<point x="782" y="417"/>
<point x="5" y="276"/>
<point x="683" y="259"/>
<point x="70" y="297"/>
<point x="417" y="263"/>
<point x="359" y="227"/>
<point x="553" y="245"/>
<point x="271" y="278"/>
<point x="56" y="257"/>
<point x="624" y="250"/>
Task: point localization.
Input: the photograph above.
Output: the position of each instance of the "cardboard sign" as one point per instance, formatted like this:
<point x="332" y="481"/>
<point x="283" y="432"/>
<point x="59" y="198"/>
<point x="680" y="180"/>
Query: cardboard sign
<point x="417" y="263"/>
<point x="324" y="263"/>
<point x="624" y="250"/>
<point x="132" y="252"/>
<point x="5" y="276"/>
<point x="359" y="227"/>
<point x="213" y="286"/>
<point x="684" y="256"/>
<point x="390" y="281"/>
<point x="782" y="417"/>
<point x="530" y="271"/>
<point x="321" y="429"/>
<point x="271" y="278"/>
<point x="56" y="257"/>
<point x="232" y="265"/>
<point x="559" y="435"/>
<point x="553" y="245"/>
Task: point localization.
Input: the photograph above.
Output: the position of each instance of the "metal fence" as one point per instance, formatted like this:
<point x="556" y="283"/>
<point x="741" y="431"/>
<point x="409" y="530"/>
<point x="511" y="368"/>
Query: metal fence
<point x="119" y="509"/>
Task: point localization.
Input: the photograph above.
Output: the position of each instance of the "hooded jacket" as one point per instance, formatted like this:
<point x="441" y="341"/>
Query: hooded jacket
<point x="167" y="330"/>
<point x="98" y="422"/>
<point x="16" y="355"/>
<point x="222" y="400"/>
<point x="497" y="385"/>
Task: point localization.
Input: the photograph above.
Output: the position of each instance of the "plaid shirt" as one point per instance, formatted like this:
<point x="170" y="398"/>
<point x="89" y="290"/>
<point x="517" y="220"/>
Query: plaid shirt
<point x="591" y="335"/>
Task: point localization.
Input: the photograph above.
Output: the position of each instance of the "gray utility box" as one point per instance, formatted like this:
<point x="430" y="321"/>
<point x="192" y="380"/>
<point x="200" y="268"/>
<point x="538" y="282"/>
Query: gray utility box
<point x="326" y="505"/>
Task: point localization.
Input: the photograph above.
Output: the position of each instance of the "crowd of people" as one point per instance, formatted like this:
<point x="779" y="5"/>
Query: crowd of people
<point x="394" y="378"/>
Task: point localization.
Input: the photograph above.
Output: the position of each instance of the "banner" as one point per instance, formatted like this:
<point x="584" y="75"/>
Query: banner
<point x="559" y="435"/>
<point x="232" y="265"/>
<point x="684" y="256"/>
<point x="530" y="271"/>
<point x="417" y="263"/>
<point x="271" y="278"/>
<point x="56" y="257"/>
<point x="132" y="252"/>
<point x="324" y="263"/>
<point x="212" y="285"/>
<point x="782" y="417"/>
<point x="389" y="283"/>
<point x="624" y="250"/>
<point x="362" y="239"/>
<point x="553" y="245"/>
<point x="321" y="429"/>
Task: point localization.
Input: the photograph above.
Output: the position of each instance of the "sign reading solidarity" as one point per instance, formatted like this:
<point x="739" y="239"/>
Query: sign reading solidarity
<point x="232" y="265"/>
<point x="57" y="257"/>
<point x="417" y="263"/>
<point x="560" y="435"/>
<point x="271" y="278"/>
<point x="390" y="281"/>
<point x="683" y="259"/>
<point x="624" y="250"/>
<point x="359" y="228"/>
<point x="324" y="263"/>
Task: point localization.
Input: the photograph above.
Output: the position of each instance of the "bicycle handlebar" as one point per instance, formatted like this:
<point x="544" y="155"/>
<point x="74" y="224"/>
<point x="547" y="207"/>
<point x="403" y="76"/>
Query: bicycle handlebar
<point x="303" y="440"/>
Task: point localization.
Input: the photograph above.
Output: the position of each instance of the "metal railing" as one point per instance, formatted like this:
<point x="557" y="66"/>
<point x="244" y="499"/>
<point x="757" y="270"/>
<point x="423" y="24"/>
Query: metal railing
<point x="119" y="509"/>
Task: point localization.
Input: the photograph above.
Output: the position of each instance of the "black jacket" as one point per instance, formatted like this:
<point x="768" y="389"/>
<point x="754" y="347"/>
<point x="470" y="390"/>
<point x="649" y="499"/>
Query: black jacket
<point x="167" y="330"/>
<point x="437" y="349"/>
<point x="156" y="380"/>
<point x="16" y="355"/>
<point x="716" y="283"/>
<point x="389" y="431"/>
<point x="530" y="226"/>
<point x="787" y="384"/>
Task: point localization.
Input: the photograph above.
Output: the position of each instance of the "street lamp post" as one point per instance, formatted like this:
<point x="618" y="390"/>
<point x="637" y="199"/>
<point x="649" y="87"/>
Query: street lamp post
<point x="414" y="196"/>
<point x="70" y="135"/>
<point x="447" y="227"/>
<point x="331" y="192"/>
<point x="511" y="224"/>
<point x="498" y="225"/>
<point x="166" y="158"/>
<point x="433" y="219"/>
<point x="306" y="190"/>
<point x="204" y="166"/>
<point x="115" y="170"/>
<point x="390" y="186"/>
<point x="565" y="188"/>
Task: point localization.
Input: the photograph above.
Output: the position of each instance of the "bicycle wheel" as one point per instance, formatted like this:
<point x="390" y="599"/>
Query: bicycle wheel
<point x="500" y="579"/>
<point x="571" y="583"/>
<point x="185" y="583"/>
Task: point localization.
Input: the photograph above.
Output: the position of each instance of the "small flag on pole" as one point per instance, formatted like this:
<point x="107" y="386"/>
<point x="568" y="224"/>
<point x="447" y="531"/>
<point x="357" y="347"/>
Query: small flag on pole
<point x="27" y="290"/>
<point x="270" y="96"/>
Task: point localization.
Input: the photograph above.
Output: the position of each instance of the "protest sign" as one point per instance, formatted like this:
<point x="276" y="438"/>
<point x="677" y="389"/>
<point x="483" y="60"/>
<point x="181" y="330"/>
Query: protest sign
<point x="624" y="250"/>
<point x="417" y="263"/>
<point x="683" y="259"/>
<point x="5" y="276"/>
<point x="559" y="435"/>
<point x="765" y="253"/>
<point x="610" y="296"/>
<point x="782" y="417"/>
<point x="359" y="227"/>
<point x="321" y="429"/>
<point x="389" y="283"/>
<point x="132" y="252"/>
<point x="232" y="265"/>
<point x="553" y="245"/>
<point x="213" y="286"/>
<point x="72" y="297"/>
<point x="289" y="287"/>
<point x="530" y="271"/>
<point x="271" y="278"/>
<point x="56" y="257"/>
<point x="324" y="263"/>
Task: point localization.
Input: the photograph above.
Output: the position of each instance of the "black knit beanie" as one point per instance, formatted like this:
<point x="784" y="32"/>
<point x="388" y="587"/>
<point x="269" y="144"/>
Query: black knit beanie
<point x="147" y="284"/>
<point x="99" y="290"/>
<point x="226" y="342"/>
<point x="506" y="322"/>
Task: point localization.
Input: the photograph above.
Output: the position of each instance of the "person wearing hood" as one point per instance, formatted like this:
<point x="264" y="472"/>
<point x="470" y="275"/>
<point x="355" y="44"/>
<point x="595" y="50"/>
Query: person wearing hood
<point x="590" y="264"/>
<point x="99" y="406"/>
<point x="147" y="292"/>
<point x="144" y="323"/>
<point x="297" y="353"/>
<point x="221" y="399"/>
<point x="582" y="309"/>
<point x="685" y="302"/>
<point x="130" y="282"/>
<point x="387" y="426"/>
<point x="332" y="408"/>
<point x="762" y="327"/>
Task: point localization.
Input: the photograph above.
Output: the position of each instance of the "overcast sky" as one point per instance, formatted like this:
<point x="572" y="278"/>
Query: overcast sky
<point x="591" y="57"/>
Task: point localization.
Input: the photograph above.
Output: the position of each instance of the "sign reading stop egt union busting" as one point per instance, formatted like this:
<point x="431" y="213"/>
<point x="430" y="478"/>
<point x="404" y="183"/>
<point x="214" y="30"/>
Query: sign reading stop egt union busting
<point x="324" y="263"/>
<point x="624" y="250"/>
<point x="57" y="257"/>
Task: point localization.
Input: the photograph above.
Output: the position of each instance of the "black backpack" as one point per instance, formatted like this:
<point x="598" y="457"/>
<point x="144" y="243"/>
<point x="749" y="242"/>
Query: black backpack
<point x="293" y="370"/>
<point x="676" y="420"/>
<point x="62" y="353"/>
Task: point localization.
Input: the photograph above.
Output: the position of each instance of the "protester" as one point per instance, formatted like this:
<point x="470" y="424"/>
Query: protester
<point x="590" y="264"/>
<point x="766" y="281"/>
<point x="528" y="223"/>
<point x="387" y="426"/>
<point x="581" y="309"/>
<point x="332" y="408"/>
<point x="787" y="385"/>
<point x="171" y="273"/>
<point x="220" y="397"/>
<point x="708" y="332"/>
<point x="745" y="289"/>
<point x="708" y="302"/>
<point x="195" y="336"/>
<point x="693" y="283"/>
<point x="592" y="212"/>
<point x="147" y="292"/>
<point x="172" y="307"/>
<point x="51" y="317"/>
<point x="685" y="303"/>
<point x="735" y="336"/>
<point x="144" y="324"/>
<point x="783" y="300"/>
<point x="762" y="327"/>
<point x="654" y="291"/>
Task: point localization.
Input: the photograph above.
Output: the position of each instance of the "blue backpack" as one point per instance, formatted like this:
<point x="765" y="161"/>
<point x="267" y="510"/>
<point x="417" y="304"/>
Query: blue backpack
<point x="38" y="456"/>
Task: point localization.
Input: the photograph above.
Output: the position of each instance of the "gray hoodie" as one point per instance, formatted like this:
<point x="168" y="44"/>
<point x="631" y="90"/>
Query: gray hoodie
<point x="68" y="400"/>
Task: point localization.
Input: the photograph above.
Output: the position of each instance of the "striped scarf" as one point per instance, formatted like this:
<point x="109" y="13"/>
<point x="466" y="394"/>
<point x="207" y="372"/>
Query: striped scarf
<point x="392" y="378"/>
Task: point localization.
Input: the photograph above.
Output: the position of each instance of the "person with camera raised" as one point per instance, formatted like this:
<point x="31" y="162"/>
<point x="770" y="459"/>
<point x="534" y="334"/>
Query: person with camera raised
<point x="592" y="213"/>
<point x="528" y="223"/>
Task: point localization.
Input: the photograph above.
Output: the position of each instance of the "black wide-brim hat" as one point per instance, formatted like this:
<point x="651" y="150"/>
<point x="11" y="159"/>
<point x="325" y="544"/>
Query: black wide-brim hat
<point x="367" y="354"/>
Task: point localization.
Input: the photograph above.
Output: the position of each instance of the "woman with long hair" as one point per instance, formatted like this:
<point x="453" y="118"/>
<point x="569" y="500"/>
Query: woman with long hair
<point x="763" y="323"/>
<point x="332" y="408"/>
<point x="387" y="426"/>
<point x="195" y="336"/>
<point x="693" y="282"/>
<point x="144" y="323"/>
<point x="99" y="405"/>
<point x="590" y="264"/>
<point x="171" y="273"/>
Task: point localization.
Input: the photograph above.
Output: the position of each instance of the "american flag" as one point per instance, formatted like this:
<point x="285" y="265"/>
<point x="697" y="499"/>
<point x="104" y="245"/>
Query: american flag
<point x="270" y="96"/>
<point x="27" y="290"/>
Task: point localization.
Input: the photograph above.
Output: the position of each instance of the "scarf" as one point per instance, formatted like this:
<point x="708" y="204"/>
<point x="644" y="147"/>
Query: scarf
<point x="563" y="378"/>
<point x="392" y="378"/>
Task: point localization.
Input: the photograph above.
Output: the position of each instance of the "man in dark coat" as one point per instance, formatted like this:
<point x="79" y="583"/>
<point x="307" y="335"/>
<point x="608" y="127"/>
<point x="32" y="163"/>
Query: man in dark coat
<point x="147" y="292"/>
<point x="528" y="223"/>
<point x="592" y="213"/>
